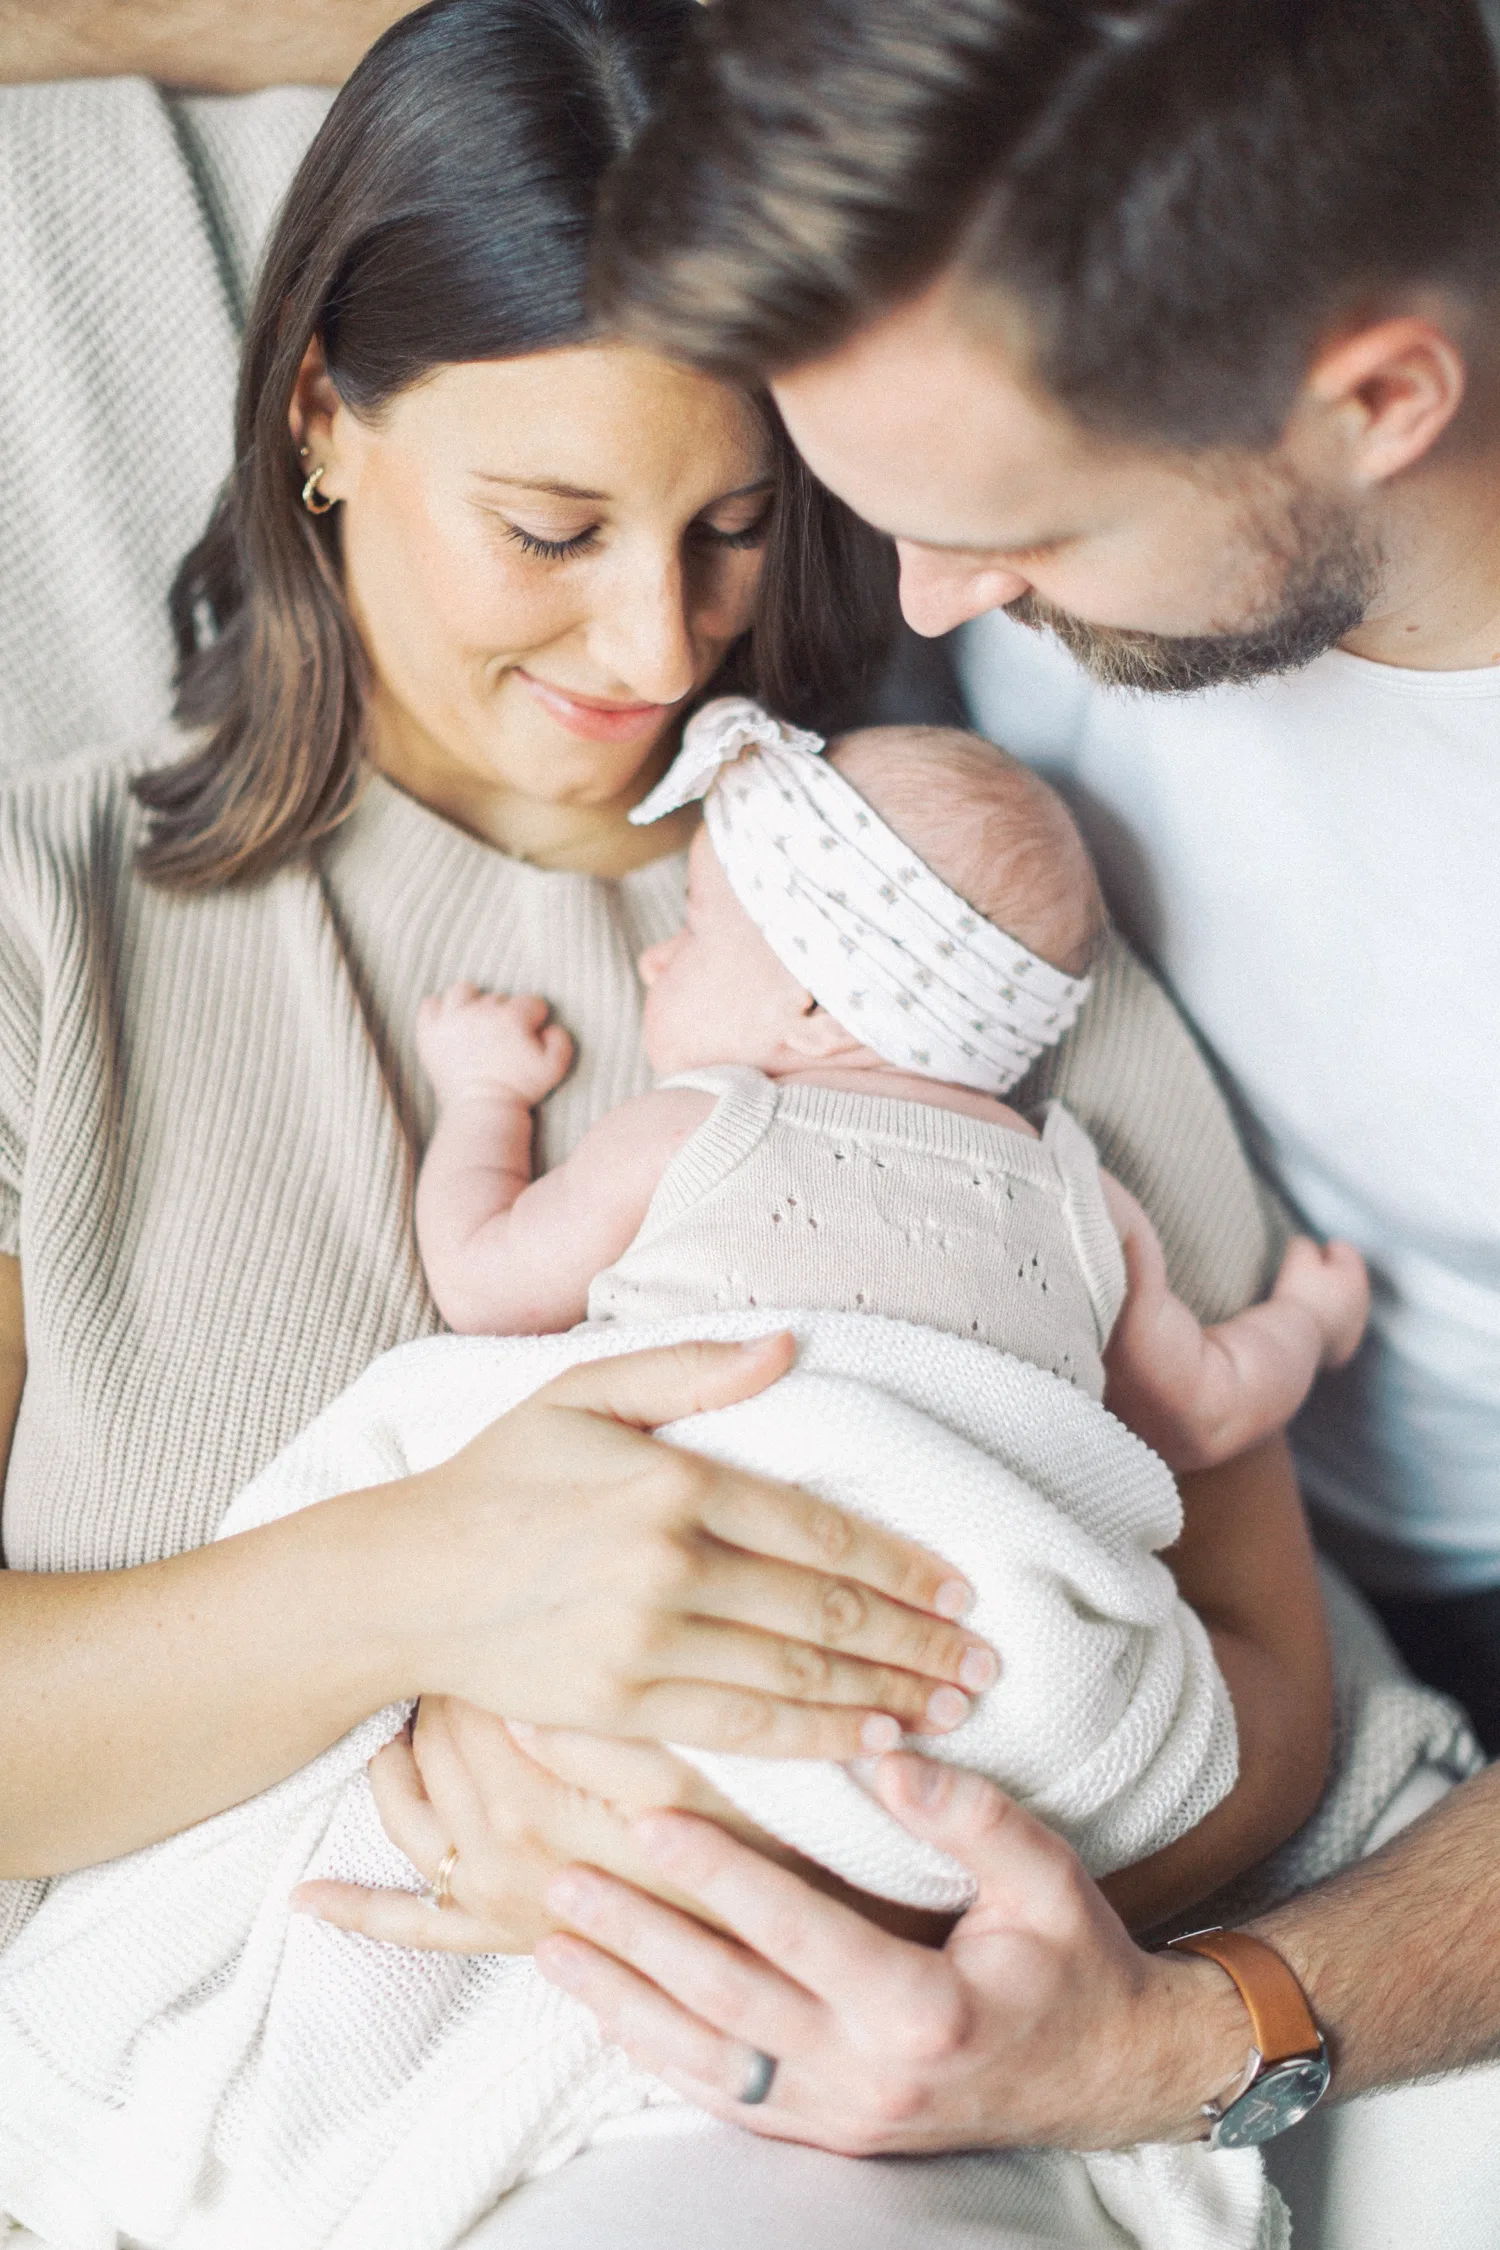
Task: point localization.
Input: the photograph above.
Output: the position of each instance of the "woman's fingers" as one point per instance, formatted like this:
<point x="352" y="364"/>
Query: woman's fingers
<point x="763" y="1663"/>
<point x="406" y="1813"/>
<point x="839" y="1620"/>
<point x="633" y="1776"/>
<point x="705" y="1716"/>
<point x="646" y="1389"/>
<point x="763" y="1518"/>
<point x="399" y="1918"/>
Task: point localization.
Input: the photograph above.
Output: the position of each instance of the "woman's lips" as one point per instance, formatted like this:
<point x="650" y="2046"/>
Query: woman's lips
<point x="590" y="717"/>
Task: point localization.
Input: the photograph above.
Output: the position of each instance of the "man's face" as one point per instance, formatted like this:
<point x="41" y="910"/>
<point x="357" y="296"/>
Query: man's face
<point x="1160" y="569"/>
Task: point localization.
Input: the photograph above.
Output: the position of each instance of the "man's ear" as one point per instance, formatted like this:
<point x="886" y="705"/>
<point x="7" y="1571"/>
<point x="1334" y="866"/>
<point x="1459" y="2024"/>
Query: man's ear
<point x="819" y="1037"/>
<point x="1393" y="388"/>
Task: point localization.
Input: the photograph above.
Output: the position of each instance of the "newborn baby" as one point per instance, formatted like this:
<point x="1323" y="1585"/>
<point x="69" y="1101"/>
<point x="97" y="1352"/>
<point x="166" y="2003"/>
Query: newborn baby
<point x="828" y="1131"/>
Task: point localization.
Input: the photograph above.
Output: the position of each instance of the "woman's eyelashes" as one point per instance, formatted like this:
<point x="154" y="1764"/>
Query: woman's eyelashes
<point x="580" y="542"/>
<point x="552" y="550"/>
<point x="749" y="535"/>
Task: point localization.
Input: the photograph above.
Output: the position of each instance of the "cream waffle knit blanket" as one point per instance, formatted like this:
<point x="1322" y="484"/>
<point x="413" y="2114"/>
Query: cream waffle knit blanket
<point x="187" y="2064"/>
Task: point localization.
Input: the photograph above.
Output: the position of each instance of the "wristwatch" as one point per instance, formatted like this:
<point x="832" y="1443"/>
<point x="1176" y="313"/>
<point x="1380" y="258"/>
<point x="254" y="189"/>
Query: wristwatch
<point x="1288" y="2071"/>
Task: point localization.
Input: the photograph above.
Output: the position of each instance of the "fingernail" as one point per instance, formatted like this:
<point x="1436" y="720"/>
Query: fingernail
<point x="522" y="1731"/>
<point x="879" y="1733"/>
<point x="953" y="1598"/>
<point x="947" y="1708"/>
<point x="980" y="1669"/>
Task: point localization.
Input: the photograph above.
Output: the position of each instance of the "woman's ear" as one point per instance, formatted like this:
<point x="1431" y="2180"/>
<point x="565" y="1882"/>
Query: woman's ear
<point x="314" y="415"/>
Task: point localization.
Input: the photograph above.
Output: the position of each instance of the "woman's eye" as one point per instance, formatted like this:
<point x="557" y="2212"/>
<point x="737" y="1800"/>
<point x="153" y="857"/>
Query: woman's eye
<point x="552" y="550"/>
<point x="753" y="534"/>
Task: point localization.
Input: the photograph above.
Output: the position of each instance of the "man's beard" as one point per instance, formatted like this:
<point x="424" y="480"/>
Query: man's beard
<point x="1329" y="579"/>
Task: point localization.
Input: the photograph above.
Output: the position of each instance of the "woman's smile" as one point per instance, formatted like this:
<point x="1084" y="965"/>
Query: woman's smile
<point x="590" y="716"/>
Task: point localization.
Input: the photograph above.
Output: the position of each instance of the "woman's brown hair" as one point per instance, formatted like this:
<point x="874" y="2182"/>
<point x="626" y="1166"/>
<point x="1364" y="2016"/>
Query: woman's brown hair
<point x="445" y="213"/>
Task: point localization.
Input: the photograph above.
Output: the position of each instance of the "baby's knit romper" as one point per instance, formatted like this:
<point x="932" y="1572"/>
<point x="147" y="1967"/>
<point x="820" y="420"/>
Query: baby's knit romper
<point x="805" y="1199"/>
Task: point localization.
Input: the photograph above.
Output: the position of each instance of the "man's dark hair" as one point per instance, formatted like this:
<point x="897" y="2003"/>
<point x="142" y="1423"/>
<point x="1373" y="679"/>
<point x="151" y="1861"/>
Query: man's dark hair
<point x="1181" y="196"/>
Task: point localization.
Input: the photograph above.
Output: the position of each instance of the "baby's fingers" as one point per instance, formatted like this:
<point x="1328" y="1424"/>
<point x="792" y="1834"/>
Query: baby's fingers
<point x="557" y="1047"/>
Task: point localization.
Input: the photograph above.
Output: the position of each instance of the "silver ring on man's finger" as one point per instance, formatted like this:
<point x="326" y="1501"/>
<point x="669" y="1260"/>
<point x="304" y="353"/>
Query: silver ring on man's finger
<point x="759" y="2079"/>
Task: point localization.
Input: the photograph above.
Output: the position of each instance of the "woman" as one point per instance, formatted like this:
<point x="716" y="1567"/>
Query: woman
<point x="474" y="565"/>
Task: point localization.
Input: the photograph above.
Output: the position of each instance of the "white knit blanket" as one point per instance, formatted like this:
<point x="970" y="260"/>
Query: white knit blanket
<point x="186" y="2064"/>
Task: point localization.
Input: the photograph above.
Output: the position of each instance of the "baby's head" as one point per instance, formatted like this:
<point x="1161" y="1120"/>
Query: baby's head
<point x="994" y="832"/>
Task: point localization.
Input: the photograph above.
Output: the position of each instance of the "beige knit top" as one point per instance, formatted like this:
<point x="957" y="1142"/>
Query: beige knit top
<point x="211" y="1113"/>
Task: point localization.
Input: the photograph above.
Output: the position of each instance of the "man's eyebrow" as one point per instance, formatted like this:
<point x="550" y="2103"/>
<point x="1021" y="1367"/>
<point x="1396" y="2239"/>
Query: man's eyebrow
<point x="987" y="547"/>
<point x="558" y="490"/>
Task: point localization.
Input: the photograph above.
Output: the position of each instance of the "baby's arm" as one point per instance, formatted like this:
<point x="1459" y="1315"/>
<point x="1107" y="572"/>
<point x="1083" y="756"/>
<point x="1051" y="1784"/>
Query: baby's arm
<point x="505" y="1255"/>
<point x="1204" y="1395"/>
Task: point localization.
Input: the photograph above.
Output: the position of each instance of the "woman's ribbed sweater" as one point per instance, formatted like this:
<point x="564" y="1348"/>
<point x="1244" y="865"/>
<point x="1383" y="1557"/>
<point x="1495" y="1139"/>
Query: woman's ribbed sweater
<point x="211" y="1114"/>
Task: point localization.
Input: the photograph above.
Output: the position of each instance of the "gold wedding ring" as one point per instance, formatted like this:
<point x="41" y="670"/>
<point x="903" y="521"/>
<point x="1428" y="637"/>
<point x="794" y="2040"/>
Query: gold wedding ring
<point x="442" y="1882"/>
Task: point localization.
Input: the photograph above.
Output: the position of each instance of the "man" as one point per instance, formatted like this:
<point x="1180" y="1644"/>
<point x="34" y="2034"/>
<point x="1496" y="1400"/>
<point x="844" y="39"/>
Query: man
<point x="1171" y="328"/>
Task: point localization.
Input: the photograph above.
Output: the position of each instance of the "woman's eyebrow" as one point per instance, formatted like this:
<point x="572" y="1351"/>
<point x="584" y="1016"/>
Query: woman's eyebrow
<point x="558" y="490"/>
<point x="552" y="485"/>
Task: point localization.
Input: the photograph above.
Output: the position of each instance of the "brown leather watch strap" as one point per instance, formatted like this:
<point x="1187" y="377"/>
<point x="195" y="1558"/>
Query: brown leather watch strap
<point x="1279" y="2014"/>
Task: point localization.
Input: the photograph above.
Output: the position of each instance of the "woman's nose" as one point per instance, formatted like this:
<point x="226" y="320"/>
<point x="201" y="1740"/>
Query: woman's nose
<point x="642" y="635"/>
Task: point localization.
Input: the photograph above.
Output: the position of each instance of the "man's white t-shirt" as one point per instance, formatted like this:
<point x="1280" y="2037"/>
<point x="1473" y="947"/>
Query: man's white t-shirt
<point x="1313" y="863"/>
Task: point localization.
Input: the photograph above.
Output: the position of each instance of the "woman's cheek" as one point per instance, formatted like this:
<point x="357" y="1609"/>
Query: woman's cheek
<point x="729" y="605"/>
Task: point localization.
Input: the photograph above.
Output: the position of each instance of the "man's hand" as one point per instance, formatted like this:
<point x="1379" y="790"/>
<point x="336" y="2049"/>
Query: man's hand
<point x="211" y="46"/>
<point x="1040" y="2021"/>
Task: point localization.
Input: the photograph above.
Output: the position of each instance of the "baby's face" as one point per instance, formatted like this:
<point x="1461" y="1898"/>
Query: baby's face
<point x="716" y="993"/>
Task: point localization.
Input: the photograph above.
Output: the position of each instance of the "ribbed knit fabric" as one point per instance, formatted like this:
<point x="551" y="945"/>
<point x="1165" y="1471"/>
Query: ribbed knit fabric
<point x="210" y="1112"/>
<point x="822" y="1200"/>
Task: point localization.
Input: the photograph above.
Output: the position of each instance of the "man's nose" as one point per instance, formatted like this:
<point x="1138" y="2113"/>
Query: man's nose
<point x="939" y="591"/>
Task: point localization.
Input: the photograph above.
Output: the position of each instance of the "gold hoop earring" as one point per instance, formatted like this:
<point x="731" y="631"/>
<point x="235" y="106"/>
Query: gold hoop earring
<point x="315" y="502"/>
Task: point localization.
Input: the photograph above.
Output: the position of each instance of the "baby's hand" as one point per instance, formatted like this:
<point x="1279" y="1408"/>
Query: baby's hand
<point x="1328" y="1280"/>
<point x="474" y="1042"/>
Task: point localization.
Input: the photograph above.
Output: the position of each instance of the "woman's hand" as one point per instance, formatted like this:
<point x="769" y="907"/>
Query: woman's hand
<point x="568" y="1569"/>
<point x="499" y="1797"/>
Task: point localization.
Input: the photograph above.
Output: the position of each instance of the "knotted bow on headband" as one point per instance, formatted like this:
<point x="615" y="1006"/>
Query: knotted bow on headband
<point x="878" y="940"/>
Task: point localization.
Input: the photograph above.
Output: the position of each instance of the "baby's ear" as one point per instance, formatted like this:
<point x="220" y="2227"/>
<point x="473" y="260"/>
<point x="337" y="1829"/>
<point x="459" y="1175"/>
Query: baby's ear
<point x="819" y="1037"/>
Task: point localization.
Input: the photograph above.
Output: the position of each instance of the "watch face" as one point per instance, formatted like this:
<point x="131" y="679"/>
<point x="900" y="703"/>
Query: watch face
<point x="1280" y="2097"/>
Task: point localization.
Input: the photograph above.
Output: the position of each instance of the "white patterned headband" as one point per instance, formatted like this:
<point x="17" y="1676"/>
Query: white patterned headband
<point x="872" y="933"/>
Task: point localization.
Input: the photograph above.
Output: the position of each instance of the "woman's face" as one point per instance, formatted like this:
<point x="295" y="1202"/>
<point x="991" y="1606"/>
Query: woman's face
<point x="545" y="558"/>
